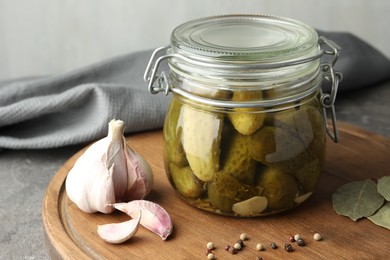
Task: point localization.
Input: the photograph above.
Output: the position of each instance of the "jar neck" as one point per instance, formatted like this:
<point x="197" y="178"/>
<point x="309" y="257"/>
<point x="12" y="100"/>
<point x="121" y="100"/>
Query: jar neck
<point x="261" y="88"/>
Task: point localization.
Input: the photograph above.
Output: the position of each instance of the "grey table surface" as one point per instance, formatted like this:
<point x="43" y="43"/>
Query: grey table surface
<point x="25" y="174"/>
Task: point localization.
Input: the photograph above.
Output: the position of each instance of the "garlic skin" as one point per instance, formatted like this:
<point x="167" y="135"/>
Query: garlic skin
<point x="117" y="233"/>
<point x="140" y="183"/>
<point x="108" y="172"/>
<point x="154" y="217"/>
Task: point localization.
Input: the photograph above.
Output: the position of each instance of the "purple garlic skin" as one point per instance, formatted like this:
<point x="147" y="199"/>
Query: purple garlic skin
<point x="108" y="172"/>
<point x="117" y="233"/>
<point x="154" y="217"/>
<point x="139" y="182"/>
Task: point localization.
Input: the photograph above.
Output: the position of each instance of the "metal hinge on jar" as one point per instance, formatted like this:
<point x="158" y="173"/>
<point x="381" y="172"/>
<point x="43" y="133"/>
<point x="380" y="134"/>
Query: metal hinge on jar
<point x="157" y="83"/>
<point x="334" y="77"/>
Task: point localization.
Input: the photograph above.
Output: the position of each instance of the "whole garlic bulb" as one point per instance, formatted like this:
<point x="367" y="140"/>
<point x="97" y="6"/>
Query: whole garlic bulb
<point x="109" y="171"/>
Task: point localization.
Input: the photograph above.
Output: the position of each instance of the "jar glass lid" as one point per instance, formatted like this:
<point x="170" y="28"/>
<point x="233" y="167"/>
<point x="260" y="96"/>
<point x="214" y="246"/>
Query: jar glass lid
<point x="245" y="38"/>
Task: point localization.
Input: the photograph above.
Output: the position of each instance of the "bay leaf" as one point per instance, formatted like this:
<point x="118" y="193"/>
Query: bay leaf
<point x="357" y="199"/>
<point x="382" y="216"/>
<point x="384" y="187"/>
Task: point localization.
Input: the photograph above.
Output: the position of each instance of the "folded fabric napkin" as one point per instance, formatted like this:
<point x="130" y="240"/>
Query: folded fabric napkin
<point x="75" y="107"/>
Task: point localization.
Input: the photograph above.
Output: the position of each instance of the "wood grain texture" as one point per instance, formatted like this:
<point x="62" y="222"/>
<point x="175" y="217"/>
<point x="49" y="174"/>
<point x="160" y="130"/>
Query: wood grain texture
<point x="71" y="233"/>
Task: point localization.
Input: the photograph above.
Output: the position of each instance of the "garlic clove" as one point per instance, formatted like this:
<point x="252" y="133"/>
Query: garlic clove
<point x="116" y="156"/>
<point x="252" y="206"/>
<point x="107" y="172"/>
<point x="117" y="233"/>
<point x="99" y="177"/>
<point x="140" y="177"/>
<point x="303" y="197"/>
<point x="154" y="217"/>
<point x="91" y="192"/>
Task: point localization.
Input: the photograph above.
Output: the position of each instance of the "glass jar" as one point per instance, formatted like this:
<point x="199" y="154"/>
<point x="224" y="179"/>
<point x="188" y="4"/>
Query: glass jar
<point x="245" y="131"/>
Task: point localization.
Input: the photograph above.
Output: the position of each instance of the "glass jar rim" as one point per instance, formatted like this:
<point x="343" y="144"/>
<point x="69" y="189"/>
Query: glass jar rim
<point x="242" y="40"/>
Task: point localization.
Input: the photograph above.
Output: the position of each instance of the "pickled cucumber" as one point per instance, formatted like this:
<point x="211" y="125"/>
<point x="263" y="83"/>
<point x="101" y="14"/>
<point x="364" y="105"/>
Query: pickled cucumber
<point x="247" y="120"/>
<point x="244" y="162"/>
<point x="279" y="188"/>
<point x="235" y="156"/>
<point x="225" y="190"/>
<point x="201" y="138"/>
<point x="222" y="192"/>
<point x="185" y="182"/>
<point x="309" y="175"/>
<point x="172" y="135"/>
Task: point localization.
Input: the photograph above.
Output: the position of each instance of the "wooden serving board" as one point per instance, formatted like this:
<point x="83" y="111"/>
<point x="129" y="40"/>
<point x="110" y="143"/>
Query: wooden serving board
<point x="71" y="233"/>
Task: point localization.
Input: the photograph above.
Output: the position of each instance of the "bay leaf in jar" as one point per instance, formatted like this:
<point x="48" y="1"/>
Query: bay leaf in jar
<point x="277" y="147"/>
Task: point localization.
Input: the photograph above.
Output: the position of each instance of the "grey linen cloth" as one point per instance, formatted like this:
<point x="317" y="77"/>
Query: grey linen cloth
<point x="75" y="107"/>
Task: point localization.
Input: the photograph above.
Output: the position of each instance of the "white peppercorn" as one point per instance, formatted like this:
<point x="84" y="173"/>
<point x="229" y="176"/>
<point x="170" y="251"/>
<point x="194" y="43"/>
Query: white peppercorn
<point x="237" y="246"/>
<point x="243" y="236"/>
<point x="317" y="237"/>
<point x="210" y="245"/>
<point x="260" y="247"/>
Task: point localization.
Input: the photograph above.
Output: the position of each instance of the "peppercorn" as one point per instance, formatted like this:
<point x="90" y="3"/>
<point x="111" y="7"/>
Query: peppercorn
<point x="232" y="250"/>
<point x="296" y="237"/>
<point x="317" y="237"/>
<point x="273" y="245"/>
<point x="288" y="247"/>
<point x="243" y="236"/>
<point x="237" y="246"/>
<point x="291" y="238"/>
<point x="241" y="242"/>
<point x="208" y="251"/>
<point x="301" y="242"/>
<point x="260" y="247"/>
<point x="210" y="245"/>
<point x="210" y="256"/>
<point x="259" y="258"/>
<point x="227" y="247"/>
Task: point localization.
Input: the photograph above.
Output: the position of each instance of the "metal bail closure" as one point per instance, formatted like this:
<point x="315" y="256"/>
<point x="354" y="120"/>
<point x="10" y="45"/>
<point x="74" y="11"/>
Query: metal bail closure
<point x="157" y="83"/>
<point x="334" y="77"/>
